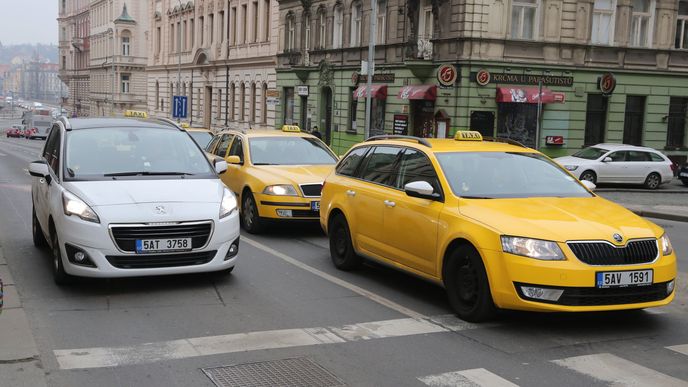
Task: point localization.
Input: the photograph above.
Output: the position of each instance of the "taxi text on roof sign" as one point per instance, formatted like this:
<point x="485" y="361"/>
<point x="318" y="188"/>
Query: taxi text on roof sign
<point x="291" y="128"/>
<point x="135" y="114"/>
<point x="467" y="135"/>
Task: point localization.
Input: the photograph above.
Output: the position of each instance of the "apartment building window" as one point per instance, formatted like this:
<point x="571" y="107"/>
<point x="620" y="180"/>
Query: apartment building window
<point x="126" y="45"/>
<point x="125" y="83"/>
<point x="603" y="18"/>
<point x="322" y="28"/>
<point x="171" y="38"/>
<point x="266" y="22"/>
<point x="178" y="45"/>
<point x="233" y="26"/>
<point x="184" y="24"/>
<point x="307" y="32"/>
<point x="524" y="19"/>
<point x="264" y="104"/>
<point x="230" y="103"/>
<point x="338" y="31"/>
<point x="254" y="27"/>
<point x="242" y="102"/>
<point x="253" y="102"/>
<point x="291" y="33"/>
<point x="353" y="109"/>
<point x="356" y="15"/>
<point x="595" y="119"/>
<point x="64" y="62"/>
<point x="288" y="105"/>
<point x="221" y="28"/>
<point x="158" y="36"/>
<point x="633" y="120"/>
<point x="244" y="16"/>
<point x="682" y="25"/>
<point x="218" y="105"/>
<point x="642" y="23"/>
<point x="381" y="21"/>
<point x="192" y="33"/>
<point x="676" y="125"/>
<point x="211" y="28"/>
<point x="201" y="26"/>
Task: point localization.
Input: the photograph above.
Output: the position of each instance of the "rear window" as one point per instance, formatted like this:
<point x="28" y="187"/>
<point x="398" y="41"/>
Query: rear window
<point x="351" y="162"/>
<point x="656" y="157"/>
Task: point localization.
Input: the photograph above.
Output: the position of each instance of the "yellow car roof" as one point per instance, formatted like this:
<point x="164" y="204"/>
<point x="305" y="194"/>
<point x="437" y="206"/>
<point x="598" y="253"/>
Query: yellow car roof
<point x="450" y="145"/>
<point x="266" y="133"/>
<point x="198" y="130"/>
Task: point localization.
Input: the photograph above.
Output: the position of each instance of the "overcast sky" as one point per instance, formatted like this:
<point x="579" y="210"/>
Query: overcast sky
<point x="28" y="21"/>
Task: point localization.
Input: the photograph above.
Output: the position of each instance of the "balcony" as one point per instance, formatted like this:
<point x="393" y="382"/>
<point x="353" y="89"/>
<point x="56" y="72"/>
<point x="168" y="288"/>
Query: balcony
<point x="424" y="47"/>
<point x="78" y="43"/>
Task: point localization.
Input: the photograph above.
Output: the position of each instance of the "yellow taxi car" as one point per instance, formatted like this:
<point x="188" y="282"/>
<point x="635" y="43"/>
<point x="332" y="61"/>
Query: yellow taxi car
<point x="276" y="174"/>
<point x="202" y="136"/>
<point x="497" y="224"/>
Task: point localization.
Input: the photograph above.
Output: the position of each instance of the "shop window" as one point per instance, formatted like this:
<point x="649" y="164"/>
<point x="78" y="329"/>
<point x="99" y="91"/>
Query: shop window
<point x="288" y="105"/>
<point x="377" y="116"/>
<point x="338" y="31"/>
<point x="524" y="19"/>
<point x="595" y="119"/>
<point x="517" y="121"/>
<point x="353" y="109"/>
<point x="603" y="19"/>
<point x="642" y="23"/>
<point x="633" y="120"/>
<point x="676" y="125"/>
<point x="682" y="25"/>
<point x="356" y="16"/>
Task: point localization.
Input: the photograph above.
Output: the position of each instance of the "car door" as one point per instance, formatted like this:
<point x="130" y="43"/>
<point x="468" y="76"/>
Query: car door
<point x="41" y="186"/>
<point x="411" y="224"/>
<point x="613" y="171"/>
<point x="234" y="178"/>
<point x="639" y="166"/>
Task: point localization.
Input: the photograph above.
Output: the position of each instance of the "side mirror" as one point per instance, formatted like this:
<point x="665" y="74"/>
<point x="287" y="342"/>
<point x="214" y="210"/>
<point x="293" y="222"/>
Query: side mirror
<point x="589" y="184"/>
<point x="421" y="189"/>
<point x="220" y="167"/>
<point x="39" y="169"/>
<point x="607" y="160"/>
<point x="233" y="160"/>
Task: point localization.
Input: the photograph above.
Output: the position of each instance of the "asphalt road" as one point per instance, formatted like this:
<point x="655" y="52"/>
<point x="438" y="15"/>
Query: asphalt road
<point x="374" y="327"/>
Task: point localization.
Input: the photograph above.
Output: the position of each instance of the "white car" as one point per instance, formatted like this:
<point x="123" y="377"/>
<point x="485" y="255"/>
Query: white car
<point x="127" y="197"/>
<point x="618" y="163"/>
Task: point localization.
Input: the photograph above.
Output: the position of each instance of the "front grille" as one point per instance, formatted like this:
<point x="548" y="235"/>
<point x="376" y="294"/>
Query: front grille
<point x="608" y="296"/>
<point x="305" y="214"/>
<point x="602" y="253"/>
<point x="125" y="236"/>
<point x="162" y="260"/>
<point x="311" y="190"/>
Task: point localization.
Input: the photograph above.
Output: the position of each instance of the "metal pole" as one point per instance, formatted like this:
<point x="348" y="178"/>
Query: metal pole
<point x="371" y="61"/>
<point x="114" y="77"/>
<point x="179" y="57"/>
<point x="539" y="112"/>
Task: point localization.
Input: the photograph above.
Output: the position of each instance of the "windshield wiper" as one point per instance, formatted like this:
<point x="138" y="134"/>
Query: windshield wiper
<point x="476" y="197"/>
<point x="147" y="173"/>
<point x="265" y="164"/>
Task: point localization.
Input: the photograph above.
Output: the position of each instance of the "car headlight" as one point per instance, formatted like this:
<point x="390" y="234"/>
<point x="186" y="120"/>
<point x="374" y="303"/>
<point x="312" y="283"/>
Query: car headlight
<point x="75" y="206"/>
<point x="280" y="190"/>
<point x="532" y="248"/>
<point x="571" y="167"/>
<point x="666" y="245"/>
<point x="228" y="204"/>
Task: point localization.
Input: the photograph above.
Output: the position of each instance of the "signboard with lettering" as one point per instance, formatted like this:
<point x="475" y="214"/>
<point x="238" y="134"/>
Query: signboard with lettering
<point x="554" y="140"/>
<point x="302" y="90"/>
<point x="400" y="124"/>
<point x="607" y="83"/>
<point x="447" y="75"/>
<point x="483" y="78"/>
<point x="377" y="78"/>
<point x="272" y="93"/>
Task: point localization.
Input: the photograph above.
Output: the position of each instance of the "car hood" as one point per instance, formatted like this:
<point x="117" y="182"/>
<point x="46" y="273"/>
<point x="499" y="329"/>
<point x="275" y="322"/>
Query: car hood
<point x="294" y="174"/>
<point x="559" y="219"/>
<point x="570" y="160"/>
<point x="119" y="192"/>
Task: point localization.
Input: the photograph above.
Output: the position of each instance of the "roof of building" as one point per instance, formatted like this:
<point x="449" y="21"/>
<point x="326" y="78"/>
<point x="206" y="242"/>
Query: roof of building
<point x="124" y="17"/>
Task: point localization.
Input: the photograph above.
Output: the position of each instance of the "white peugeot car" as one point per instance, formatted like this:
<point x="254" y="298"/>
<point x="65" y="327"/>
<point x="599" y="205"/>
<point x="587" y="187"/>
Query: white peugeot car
<point x="128" y="197"/>
<point x="618" y="163"/>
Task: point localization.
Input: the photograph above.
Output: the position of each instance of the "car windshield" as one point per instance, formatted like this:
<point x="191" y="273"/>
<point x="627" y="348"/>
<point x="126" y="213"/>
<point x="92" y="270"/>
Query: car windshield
<point x="292" y="150"/>
<point x="591" y="153"/>
<point x="111" y="152"/>
<point x="490" y="175"/>
<point x="201" y="138"/>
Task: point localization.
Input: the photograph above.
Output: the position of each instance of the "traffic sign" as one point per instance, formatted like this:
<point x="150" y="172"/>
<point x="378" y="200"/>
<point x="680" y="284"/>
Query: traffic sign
<point x="179" y="104"/>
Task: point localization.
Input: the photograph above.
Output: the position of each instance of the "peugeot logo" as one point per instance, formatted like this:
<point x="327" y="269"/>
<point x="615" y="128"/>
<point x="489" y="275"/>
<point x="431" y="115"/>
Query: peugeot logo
<point x="160" y="210"/>
<point x="618" y="238"/>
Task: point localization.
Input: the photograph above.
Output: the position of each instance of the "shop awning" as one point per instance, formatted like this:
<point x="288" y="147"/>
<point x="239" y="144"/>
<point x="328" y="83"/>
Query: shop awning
<point x="528" y="95"/>
<point x="428" y="92"/>
<point x="377" y="91"/>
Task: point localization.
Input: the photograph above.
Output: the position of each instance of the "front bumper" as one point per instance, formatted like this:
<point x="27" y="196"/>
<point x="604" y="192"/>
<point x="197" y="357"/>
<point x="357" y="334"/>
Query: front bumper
<point x="288" y="207"/>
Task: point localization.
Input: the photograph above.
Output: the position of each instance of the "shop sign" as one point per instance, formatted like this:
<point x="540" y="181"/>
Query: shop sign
<point x="607" y="83"/>
<point x="377" y="78"/>
<point x="400" y="126"/>
<point x="302" y="91"/>
<point x="272" y="93"/>
<point x="447" y="75"/>
<point x="554" y="140"/>
<point x="484" y="77"/>
<point x="272" y="101"/>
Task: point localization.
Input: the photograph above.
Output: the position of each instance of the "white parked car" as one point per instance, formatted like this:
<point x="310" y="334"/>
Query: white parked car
<point x="618" y="163"/>
<point x="129" y="197"/>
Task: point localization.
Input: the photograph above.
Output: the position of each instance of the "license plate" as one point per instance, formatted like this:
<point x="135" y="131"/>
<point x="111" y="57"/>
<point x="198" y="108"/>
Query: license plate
<point x="315" y="206"/>
<point x="620" y="279"/>
<point x="684" y="174"/>
<point x="162" y="245"/>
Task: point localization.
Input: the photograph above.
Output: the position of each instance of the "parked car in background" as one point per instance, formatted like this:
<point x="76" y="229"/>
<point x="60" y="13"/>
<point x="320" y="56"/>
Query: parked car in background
<point x="202" y="136"/>
<point x="13" y="132"/>
<point x="620" y="163"/>
<point x="683" y="174"/>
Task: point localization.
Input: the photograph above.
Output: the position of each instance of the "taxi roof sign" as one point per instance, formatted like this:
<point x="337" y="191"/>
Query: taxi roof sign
<point x="468" y="135"/>
<point x="184" y="125"/>
<point x="291" y="128"/>
<point x="135" y="114"/>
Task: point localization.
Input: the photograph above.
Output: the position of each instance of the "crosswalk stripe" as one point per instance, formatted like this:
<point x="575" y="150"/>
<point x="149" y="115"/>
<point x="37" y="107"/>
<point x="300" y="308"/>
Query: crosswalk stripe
<point x="477" y="377"/>
<point x="618" y="371"/>
<point x="680" y="349"/>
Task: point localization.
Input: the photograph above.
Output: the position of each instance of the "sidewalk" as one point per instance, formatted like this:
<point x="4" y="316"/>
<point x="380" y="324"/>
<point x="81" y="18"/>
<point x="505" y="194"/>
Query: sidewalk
<point x="675" y="213"/>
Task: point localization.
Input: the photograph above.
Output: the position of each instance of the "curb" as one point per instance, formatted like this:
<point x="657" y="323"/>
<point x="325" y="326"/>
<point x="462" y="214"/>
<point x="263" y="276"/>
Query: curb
<point x="640" y="190"/>
<point x="660" y="215"/>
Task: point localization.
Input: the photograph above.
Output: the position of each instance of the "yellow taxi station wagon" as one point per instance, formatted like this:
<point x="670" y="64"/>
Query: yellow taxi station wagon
<point x="499" y="225"/>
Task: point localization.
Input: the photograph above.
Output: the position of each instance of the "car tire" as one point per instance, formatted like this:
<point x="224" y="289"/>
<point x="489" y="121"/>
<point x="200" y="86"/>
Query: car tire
<point x="467" y="285"/>
<point x="653" y="181"/>
<point x="685" y="182"/>
<point x="60" y="276"/>
<point x="342" y="251"/>
<point x="589" y="176"/>
<point x="38" y="237"/>
<point x="250" y="218"/>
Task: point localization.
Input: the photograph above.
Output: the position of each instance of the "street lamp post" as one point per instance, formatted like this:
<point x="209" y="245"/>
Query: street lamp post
<point x="111" y="31"/>
<point x="538" y="124"/>
<point x="179" y="58"/>
<point x="371" y="63"/>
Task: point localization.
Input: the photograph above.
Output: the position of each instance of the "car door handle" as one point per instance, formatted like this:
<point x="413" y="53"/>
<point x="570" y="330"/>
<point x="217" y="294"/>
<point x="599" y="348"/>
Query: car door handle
<point x="390" y="203"/>
<point x="351" y="193"/>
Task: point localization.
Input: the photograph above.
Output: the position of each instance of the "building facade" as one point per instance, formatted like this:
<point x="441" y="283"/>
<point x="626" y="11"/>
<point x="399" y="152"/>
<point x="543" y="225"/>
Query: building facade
<point x="33" y="80"/>
<point x="603" y="70"/>
<point x="220" y="54"/>
<point x="119" y="55"/>
<point x="74" y="48"/>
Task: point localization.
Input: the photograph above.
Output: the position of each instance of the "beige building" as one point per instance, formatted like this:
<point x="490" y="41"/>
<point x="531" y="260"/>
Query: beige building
<point x="220" y="54"/>
<point x="118" y="40"/>
<point x="74" y="48"/>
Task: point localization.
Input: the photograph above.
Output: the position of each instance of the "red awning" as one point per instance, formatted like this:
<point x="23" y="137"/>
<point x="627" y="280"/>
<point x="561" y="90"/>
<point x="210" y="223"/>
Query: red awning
<point x="428" y="92"/>
<point x="528" y="95"/>
<point x="377" y="91"/>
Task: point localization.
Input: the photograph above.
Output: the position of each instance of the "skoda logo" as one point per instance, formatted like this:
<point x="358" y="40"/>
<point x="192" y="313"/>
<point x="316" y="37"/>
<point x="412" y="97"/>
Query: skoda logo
<point x="618" y="238"/>
<point x="160" y="210"/>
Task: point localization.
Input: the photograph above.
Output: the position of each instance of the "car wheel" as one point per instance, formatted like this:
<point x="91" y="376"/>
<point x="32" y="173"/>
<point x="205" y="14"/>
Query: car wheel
<point x="250" y="218"/>
<point x="653" y="181"/>
<point x="465" y="280"/>
<point x="342" y="250"/>
<point x="60" y="276"/>
<point x="38" y="237"/>
<point x="685" y="182"/>
<point x="589" y="176"/>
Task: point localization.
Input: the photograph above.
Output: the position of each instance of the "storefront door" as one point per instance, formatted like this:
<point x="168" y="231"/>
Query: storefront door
<point x="483" y="122"/>
<point x="517" y="121"/>
<point x="423" y="117"/>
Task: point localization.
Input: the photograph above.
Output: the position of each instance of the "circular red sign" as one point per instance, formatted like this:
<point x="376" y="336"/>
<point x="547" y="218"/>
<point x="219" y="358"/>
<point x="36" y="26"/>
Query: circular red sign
<point x="607" y="83"/>
<point x="483" y="77"/>
<point x="447" y="75"/>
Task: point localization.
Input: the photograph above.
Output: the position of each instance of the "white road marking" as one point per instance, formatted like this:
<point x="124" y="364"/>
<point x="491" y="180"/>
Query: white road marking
<point x="656" y="311"/>
<point x="618" y="371"/>
<point x="240" y="342"/>
<point x="356" y="289"/>
<point x="680" y="349"/>
<point x="477" y="377"/>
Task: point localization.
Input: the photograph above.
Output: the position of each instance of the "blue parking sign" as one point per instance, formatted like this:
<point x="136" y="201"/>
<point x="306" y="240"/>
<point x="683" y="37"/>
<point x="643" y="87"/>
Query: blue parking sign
<point x="179" y="104"/>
